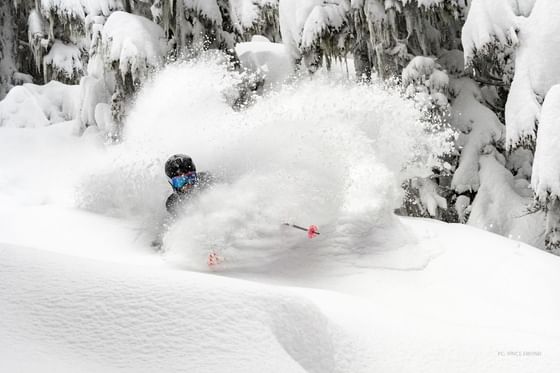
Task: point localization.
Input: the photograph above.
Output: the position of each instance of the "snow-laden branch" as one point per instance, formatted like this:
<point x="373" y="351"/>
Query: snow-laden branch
<point x="132" y="44"/>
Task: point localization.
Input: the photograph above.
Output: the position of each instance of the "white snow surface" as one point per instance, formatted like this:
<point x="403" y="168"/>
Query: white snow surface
<point x="143" y="320"/>
<point x="82" y="290"/>
<point x="31" y="105"/>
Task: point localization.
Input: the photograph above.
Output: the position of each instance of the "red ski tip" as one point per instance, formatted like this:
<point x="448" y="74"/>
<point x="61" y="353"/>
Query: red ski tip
<point x="312" y="231"/>
<point x="213" y="259"/>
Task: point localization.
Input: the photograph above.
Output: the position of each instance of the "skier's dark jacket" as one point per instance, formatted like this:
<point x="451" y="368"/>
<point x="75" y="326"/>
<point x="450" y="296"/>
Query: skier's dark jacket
<point x="180" y="197"/>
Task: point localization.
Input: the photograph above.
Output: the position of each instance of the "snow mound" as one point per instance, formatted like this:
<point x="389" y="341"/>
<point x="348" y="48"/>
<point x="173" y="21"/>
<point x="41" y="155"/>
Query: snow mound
<point x="460" y="304"/>
<point x="34" y="106"/>
<point x="81" y="315"/>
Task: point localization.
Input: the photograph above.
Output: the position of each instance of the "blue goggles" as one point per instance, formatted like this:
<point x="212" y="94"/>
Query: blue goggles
<point x="180" y="181"/>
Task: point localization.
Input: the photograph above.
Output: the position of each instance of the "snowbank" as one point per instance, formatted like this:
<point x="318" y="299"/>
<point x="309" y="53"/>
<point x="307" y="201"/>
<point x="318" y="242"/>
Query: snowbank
<point x="33" y="105"/>
<point x="69" y="314"/>
<point x="447" y="302"/>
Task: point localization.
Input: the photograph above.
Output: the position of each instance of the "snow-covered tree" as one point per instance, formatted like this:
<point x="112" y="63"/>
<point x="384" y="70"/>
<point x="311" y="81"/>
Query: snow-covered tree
<point x="520" y="40"/>
<point x="534" y="102"/>
<point x="546" y="170"/>
<point x="389" y="33"/>
<point x="425" y="82"/>
<point x="69" y="43"/>
<point x="314" y="29"/>
<point x="216" y="23"/>
<point x="59" y="34"/>
<point x="387" y="37"/>
<point x="129" y="47"/>
<point x="383" y="35"/>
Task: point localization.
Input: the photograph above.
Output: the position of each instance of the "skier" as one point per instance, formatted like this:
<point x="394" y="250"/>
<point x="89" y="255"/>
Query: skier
<point x="185" y="181"/>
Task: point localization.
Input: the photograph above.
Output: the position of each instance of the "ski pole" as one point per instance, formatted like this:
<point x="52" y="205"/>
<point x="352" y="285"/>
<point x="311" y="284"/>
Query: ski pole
<point x="312" y="231"/>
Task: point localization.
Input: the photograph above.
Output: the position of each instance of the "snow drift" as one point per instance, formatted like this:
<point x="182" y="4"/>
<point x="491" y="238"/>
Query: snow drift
<point x="461" y="306"/>
<point x="71" y="314"/>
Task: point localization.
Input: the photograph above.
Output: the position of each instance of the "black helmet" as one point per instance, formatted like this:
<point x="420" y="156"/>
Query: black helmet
<point x="179" y="164"/>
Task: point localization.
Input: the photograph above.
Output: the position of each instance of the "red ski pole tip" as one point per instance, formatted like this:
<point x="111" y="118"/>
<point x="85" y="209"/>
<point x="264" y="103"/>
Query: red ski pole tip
<point x="312" y="231"/>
